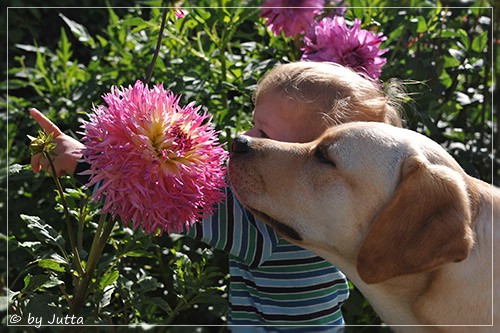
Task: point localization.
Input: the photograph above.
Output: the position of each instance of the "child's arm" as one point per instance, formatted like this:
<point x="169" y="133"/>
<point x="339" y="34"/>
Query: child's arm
<point x="235" y="230"/>
<point x="67" y="151"/>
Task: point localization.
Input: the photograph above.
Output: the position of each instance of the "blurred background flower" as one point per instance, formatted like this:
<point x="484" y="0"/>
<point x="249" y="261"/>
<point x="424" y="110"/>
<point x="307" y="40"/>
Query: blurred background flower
<point x="332" y="40"/>
<point x="179" y="13"/>
<point x="159" y="165"/>
<point x="292" y="17"/>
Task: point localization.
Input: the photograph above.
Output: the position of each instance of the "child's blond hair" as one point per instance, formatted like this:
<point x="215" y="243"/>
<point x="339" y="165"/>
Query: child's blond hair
<point x="341" y="94"/>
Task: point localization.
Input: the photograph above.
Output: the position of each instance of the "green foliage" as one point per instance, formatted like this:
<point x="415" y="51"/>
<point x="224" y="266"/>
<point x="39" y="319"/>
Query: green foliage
<point x="213" y="56"/>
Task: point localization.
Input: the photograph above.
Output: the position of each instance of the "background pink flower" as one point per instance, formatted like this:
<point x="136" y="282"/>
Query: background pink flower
<point x="332" y="40"/>
<point x="179" y="13"/>
<point x="293" y="17"/>
<point x="160" y="165"/>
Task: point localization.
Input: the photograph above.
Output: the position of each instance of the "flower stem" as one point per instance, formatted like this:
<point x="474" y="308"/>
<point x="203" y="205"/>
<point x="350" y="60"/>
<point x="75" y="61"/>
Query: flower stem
<point x="158" y="45"/>
<point x="66" y="214"/>
<point x="101" y="236"/>
<point x="81" y="223"/>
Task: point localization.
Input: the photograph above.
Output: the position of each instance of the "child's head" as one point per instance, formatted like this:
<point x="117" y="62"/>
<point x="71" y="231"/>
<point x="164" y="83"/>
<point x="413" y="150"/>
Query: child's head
<point x="298" y="101"/>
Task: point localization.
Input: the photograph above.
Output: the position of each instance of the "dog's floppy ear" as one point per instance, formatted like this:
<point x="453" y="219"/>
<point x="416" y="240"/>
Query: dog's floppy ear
<point x="426" y="224"/>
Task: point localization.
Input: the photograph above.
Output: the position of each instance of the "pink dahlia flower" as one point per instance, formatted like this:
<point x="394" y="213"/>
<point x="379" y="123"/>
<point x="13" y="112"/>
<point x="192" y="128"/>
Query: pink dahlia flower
<point x="179" y="13"/>
<point x="293" y="17"/>
<point x="332" y="40"/>
<point x="160" y="165"/>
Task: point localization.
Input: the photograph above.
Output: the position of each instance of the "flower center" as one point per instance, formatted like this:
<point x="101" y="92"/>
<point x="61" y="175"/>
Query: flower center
<point x="182" y="142"/>
<point x="170" y="143"/>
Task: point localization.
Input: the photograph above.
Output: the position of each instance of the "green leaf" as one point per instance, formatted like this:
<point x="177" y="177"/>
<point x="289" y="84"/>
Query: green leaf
<point x="421" y="24"/>
<point x="448" y="34"/>
<point x="32" y="283"/>
<point x="479" y="43"/>
<point x="160" y="302"/>
<point x="44" y="306"/>
<point x="42" y="231"/>
<point x="52" y="264"/>
<point x="457" y="54"/>
<point x="64" y="48"/>
<point x="31" y="247"/>
<point x="464" y="38"/>
<point x="53" y="281"/>
<point x="106" y="297"/>
<point x="79" y="31"/>
<point x="27" y="280"/>
<point x="31" y="48"/>
<point x="203" y="14"/>
<point x="147" y="283"/>
<point x="450" y="62"/>
<point x="108" y="279"/>
<point x="138" y="253"/>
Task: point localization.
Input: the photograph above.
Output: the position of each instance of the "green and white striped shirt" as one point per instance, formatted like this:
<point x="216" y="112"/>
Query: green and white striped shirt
<point x="272" y="282"/>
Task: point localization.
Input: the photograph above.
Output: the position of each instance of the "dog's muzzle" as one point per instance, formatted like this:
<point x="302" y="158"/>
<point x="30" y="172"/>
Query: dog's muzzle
<point x="240" y="156"/>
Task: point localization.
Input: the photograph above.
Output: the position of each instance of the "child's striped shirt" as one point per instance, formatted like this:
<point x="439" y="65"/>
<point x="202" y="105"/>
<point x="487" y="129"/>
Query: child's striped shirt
<point x="272" y="282"/>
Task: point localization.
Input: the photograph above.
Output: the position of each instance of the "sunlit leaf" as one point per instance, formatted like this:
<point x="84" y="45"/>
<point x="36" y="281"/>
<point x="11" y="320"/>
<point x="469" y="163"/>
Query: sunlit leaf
<point x="479" y="43"/>
<point x="79" y="31"/>
<point x="52" y="265"/>
<point x="43" y="231"/>
<point x="108" y="279"/>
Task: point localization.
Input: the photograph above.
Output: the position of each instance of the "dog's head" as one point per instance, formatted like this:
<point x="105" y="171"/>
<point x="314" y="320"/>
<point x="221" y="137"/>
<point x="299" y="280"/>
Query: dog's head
<point x="388" y="198"/>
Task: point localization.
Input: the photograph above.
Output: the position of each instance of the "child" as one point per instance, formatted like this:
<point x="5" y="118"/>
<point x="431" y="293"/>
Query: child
<point x="272" y="282"/>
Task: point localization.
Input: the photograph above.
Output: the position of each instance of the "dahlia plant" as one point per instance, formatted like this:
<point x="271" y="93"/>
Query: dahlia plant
<point x="292" y="17"/>
<point x="332" y="40"/>
<point x="158" y="165"/>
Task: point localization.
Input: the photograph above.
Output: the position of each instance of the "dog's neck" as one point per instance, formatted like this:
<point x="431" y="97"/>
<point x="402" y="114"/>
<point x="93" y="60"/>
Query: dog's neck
<point x="408" y="289"/>
<point x="401" y="311"/>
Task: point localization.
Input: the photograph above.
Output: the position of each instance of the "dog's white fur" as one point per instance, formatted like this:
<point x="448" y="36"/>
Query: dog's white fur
<point x="393" y="210"/>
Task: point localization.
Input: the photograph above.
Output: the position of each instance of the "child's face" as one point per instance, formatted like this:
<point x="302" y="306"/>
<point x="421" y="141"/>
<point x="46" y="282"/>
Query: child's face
<point x="281" y="119"/>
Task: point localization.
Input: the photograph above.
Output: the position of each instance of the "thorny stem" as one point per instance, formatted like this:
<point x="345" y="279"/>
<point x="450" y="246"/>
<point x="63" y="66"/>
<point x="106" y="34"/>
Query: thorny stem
<point x="66" y="213"/>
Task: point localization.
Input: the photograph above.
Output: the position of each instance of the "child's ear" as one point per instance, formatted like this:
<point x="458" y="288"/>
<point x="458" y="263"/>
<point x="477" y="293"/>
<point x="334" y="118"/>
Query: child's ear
<point x="425" y="225"/>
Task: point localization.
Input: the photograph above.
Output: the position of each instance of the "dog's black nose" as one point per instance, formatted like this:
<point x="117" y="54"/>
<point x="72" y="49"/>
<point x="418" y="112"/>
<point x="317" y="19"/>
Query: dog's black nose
<point x="240" y="144"/>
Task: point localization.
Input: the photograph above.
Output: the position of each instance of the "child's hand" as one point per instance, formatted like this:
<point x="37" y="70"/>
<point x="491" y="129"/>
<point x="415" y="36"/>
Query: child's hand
<point x="67" y="151"/>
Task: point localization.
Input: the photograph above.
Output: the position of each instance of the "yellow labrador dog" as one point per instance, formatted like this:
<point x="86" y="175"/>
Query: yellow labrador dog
<point x="389" y="207"/>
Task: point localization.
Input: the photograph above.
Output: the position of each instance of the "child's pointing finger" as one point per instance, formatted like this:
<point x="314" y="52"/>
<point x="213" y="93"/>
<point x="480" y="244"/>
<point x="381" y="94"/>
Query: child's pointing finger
<point x="47" y="126"/>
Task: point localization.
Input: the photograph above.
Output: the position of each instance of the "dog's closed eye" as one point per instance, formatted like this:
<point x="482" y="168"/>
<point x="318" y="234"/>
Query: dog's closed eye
<point x="322" y="155"/>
